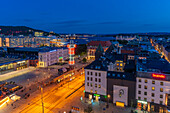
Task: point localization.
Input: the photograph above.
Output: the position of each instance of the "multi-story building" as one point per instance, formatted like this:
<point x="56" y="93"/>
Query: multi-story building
<point x="92" y="46"/>
<point x="52" y="56"/>
<point x="153" y="85"/>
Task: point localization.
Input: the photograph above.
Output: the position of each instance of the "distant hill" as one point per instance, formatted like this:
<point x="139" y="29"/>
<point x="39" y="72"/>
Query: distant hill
<point x="20" y="30"/>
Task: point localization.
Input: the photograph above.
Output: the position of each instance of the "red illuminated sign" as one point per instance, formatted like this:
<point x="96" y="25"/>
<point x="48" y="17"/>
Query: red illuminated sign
<point x="158" y="76"/>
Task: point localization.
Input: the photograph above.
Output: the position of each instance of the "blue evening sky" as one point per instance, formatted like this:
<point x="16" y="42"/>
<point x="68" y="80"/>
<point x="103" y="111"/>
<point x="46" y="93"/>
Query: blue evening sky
<point x="88" y="16"/>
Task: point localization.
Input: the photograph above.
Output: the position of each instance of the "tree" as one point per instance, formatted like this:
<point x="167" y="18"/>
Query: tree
<point x="84" y="60"/>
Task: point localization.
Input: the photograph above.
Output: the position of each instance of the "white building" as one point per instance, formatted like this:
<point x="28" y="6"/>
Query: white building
<point x="49" y="57"/>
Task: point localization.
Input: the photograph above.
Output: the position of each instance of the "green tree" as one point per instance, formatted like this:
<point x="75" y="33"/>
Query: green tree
<point x="84" y="60"/>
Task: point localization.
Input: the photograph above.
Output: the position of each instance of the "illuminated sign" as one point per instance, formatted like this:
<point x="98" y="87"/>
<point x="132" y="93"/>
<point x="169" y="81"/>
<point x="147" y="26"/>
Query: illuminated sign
<point x="158" y="76"/>
<point x="97" y="95"/>
<point x="120" y="104"/>
<point x="143" y="102"/>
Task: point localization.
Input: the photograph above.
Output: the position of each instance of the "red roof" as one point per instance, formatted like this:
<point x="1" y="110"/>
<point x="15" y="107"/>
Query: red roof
<point x="96" y="43"/>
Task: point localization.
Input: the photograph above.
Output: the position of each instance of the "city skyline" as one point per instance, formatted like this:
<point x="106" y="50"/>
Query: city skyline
<point x="98" y="17"/>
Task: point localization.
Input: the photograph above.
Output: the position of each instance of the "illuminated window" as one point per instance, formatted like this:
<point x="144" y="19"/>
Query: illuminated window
<point x="139" y="80"/>
<point x="121" y="64"/>
<point x="99" y="86"/>
<point x="146" y="81"/>
<point x="91" y="85"/>
<point x="153" y="88"/>
<point x="99" y="80"/>
<point x="161" y="83"/>
<point x="145" y="99"/>
<point x="117" y="64"/>
<point x="139" y="92"/>
<point x="152" y="100"/>
<point x="145" y="93"/>
<point x="96" y="85"/>
<point x="87" y="83"/>
<point x="145" y="87"/>
<point x="96" y="91"/>
<point x="139" y="86"/>
<point x="91" y="91"/>
<point x="153" y="82"/>
<point x="161" y="96"/>
<point x="153" y="94"/>
<point x="87" y="78"/>
<point x="95" y="79"/>
<point x="139" y="98"/>
<point x="118" y="68"/>
<point x="96" y="74"/>
<point x="161" y="89"/>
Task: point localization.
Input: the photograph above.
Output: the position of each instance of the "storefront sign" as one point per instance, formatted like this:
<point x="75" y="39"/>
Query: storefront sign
<point x="158" y="76"/>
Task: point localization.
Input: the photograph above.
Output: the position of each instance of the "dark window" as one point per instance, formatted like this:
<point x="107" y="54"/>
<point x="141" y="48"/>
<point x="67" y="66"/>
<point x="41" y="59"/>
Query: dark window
<point x="91" y="79"/>
<point x="87" y="72"/>
<point x="95" y="79"/>
<point x="139" y="92"/>
<point x="139" y="86"/>
<point x="153" y="94"/>
<point x="95" y="74"/>
<point x="99" y="80"/>
<point x="146" y="81"/>
<point x="91" y="85"/>
<point x="139" y="98"/>
<point x="145" y="93"/>
<point x="139" y="80"/>
<point x="153" y="82"/>
<point x="161" y="96"/>
<point x="87" y="78"/>
<point x="146" y="87"/>
<point x="99" y="74"/>
<point x="91" y="73"/>
<point x="161" y="83"/>
<point x="96" y="85"/>
<point x="87" y="83"/>
<point x="145" y="99"/>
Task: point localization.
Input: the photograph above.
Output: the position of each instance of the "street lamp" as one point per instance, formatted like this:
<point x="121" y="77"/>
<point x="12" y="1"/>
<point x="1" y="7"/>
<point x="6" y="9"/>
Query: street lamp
<point x="108" y="97"/>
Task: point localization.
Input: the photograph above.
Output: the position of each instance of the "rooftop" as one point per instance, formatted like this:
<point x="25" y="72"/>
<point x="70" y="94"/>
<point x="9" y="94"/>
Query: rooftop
<point x="4" y="60"/>
<point x="96" y="43"/>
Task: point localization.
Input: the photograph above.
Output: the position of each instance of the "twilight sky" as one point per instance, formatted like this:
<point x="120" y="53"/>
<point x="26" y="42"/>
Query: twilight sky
<point x="88" y="16"/>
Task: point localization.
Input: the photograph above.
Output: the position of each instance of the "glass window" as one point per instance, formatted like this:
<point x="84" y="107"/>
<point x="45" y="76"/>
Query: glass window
<point x="91" y="73"/>
<point x="153" y="88"/>
<point x="99" y="86"/>
<point x="113" y="74"/>
<point x="153" y="82"/>
<point x="118" y="75"/>
<point x="96" y="85"/>
<point x="146" y="81"/>
<point x="161" y="89"/>
<point x="161" y="96"/>
<point x="146" y="87"/>
<point x="96" y="91"/>
<point x="91" y="79"/>
<point x="145" y="99"/>
<point x="161" y="102"/>
<point x="99" y="80"/>
<point x="124" y="76"/>
<point x="139" y="80"/>
<point x="99" y="74"/>
<point x="87" y="83"/>
<point x="139" y="98"/>
<point x="139" y="92"/>
<point x="108" y="74"/>
<point x="139" y="86"/>
<point x="87" y="72"/>
<point x="95" y="74"/>
<point x="121" y="64"/>
<point x="161" y="83"/>
<point x="95" y="79"/>
<point x="145" y="93"/>
<point x="117" y="64"/>
<point x="152" y="100"/>
<point x="91" y="85"/>
<point x="87" y="78"/>
<point x="153" y="94"/>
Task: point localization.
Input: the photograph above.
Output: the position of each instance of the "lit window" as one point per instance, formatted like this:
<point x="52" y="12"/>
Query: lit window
<point x="118" y="68"/>
<point x="145" y="87"/>
<point x="121" y="64"/>
<point x="96" y="85"/>
<point x="153" y="94"/>
<point x="153" y="82"/>
<point x="99" y="86"/>
<point x="139" y="80"/>
<point x="161" y="89"/>
<point x="95" y="91"/>
<point x="153" y="88"/>
<point x="91" y="85"/>
<point x="146" y="81"/>
<point x="161" y="83"/>
<point x="91" y="91"/>
<point x="117" y="64"/>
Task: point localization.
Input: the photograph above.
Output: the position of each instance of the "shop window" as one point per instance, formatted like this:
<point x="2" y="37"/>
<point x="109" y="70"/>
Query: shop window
<point x="152" y="100"/>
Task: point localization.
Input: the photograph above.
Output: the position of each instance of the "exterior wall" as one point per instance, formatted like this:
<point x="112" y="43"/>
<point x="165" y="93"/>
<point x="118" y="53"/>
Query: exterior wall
<point x="93" y="89"/>
<point x="130" y="85"/>
<point x="156" y="92"/>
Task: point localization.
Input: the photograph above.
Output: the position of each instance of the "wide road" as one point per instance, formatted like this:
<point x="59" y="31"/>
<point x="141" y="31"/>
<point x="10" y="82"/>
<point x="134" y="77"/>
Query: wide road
<point x="55" y="98"/>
